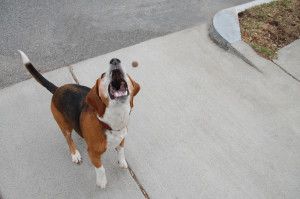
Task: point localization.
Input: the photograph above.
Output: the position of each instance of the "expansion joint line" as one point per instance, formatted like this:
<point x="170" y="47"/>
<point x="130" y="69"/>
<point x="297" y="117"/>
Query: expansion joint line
<point x="137" y="182"/>
<point x="295" y="78"/>
<point x="73" y="75"/>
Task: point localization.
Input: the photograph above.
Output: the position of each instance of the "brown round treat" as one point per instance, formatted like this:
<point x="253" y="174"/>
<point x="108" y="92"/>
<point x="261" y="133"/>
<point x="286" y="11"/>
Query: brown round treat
<point x="134" y="64"/>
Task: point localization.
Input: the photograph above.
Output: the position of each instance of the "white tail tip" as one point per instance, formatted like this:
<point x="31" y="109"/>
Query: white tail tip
<point x="24" y="57"/>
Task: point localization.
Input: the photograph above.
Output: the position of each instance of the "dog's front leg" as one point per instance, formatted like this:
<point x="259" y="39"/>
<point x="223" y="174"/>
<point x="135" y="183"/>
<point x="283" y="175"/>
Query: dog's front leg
<point x="95" y="157"/>
<point x="121" y="156"/>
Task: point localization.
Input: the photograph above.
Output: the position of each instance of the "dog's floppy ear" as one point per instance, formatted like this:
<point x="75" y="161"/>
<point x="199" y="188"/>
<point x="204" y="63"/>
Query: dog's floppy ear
<point x="93" y="99"/>
<point x="136" y="89"/>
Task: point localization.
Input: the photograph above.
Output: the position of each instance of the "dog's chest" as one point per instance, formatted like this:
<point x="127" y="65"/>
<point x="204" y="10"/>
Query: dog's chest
<point x="117" y="116"/>
<point x="114" y="138"/>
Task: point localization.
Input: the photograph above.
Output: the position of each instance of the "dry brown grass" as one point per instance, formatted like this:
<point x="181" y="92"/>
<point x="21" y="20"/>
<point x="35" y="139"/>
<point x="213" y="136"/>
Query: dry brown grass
<point x="269" y="27"/>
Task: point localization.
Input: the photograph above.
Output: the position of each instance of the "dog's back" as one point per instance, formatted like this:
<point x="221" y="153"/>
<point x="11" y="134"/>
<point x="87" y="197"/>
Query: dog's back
<point x="70" y="100"/>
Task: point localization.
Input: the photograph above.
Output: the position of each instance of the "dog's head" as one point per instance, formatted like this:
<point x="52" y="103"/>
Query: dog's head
<point x="113" y="86"/>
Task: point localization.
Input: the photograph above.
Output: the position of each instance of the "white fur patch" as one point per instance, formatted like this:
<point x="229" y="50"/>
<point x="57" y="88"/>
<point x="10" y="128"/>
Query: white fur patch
<point x="24" y="57"/>
<point x="117" y="117"/>
<point x="117" y="114"/>
<point x="121" y="158"/>
<point x="114" y="138"/>
<point x="101" y="177"/>
<point x="76" y="158"/>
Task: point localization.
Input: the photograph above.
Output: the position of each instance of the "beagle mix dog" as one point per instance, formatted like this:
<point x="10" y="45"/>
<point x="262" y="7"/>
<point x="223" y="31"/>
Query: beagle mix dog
<point x="100" y="115"/>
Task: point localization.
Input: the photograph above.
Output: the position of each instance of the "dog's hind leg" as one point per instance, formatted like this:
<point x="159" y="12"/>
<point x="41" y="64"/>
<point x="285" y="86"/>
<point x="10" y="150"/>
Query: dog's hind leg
<point x="67" y="131"/>
<point x="95" y="157"/>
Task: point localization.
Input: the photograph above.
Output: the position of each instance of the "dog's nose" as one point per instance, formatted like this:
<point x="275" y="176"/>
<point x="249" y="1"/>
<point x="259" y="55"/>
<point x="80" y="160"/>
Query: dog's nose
<point x="115" y="62"/>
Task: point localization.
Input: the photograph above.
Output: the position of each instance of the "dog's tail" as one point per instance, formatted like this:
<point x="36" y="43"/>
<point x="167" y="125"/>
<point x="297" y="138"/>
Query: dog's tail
<point x="37" y="76"/>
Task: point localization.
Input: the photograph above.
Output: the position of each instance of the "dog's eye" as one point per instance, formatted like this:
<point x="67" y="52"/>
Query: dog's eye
<point x="103" y="74"/>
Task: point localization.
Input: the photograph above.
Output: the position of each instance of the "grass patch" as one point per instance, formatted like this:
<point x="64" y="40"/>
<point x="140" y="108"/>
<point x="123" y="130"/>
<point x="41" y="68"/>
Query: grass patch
<point x="269" y="27"/>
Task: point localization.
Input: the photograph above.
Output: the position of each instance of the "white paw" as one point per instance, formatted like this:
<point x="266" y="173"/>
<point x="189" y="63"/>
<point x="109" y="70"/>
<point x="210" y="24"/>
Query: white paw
<point x="76" y="158"/>
<point x="101" y="183"/>
<point x="121" y="158"/>
<point x="101" y="177"/>
<point x="123" y="164"/>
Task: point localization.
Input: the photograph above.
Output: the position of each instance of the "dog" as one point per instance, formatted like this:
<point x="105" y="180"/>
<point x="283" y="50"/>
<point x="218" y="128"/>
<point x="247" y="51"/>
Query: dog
<point x="99" y="115"/>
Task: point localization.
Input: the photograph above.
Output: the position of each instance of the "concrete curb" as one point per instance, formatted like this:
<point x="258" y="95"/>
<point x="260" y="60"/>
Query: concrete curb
<point x="225" y="29"/>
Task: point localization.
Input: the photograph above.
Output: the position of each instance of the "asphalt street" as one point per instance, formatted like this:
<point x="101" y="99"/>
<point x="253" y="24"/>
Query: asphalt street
<point x="59" y="33"/>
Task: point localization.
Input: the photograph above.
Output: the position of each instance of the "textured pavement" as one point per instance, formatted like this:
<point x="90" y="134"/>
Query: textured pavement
<point x="205" y="125"/>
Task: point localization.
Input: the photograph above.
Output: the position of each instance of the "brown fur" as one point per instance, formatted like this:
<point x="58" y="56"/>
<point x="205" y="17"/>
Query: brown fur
<point x="135" y="89"/>
<point x="94" y="135"/>
<point x="64" y="126"/>
<point x="94" y="100"/>
<point x="123" y="141"/>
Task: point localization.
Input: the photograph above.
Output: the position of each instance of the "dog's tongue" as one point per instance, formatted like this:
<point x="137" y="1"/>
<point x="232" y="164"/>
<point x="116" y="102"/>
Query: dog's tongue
<point x="120" y="92"/>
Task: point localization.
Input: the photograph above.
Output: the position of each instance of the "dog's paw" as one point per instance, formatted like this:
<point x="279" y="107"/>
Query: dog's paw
<point x="101" y="183"/>
<point x="123" y="164"/>
<point x="100" y="177"/>
<point x="76" y="158"/>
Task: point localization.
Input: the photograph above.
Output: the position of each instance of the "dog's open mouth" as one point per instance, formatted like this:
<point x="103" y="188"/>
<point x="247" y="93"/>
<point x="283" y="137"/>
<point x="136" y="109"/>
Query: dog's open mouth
<point x="118" y="87"/>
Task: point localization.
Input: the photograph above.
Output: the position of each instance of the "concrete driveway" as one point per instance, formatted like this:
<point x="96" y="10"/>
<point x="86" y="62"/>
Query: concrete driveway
<point x="205" y="125"/>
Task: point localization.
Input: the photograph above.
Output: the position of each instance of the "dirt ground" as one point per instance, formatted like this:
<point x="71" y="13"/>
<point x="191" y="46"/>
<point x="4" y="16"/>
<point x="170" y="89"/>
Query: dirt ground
<point x="269" y="27"/>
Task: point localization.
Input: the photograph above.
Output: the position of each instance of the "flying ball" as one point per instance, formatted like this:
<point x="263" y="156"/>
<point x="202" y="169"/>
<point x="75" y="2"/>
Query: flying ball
<point x="135" y="64"/>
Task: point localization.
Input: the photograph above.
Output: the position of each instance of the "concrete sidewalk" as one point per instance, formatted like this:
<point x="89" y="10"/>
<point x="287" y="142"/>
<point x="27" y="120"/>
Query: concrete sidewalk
<point x="205" y="125"/>
<point x="289" y="59"/>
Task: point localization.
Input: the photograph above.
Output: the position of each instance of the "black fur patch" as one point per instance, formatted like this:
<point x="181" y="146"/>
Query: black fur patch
<point x="38" y="77"/>
<point x="69" y="100"/>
